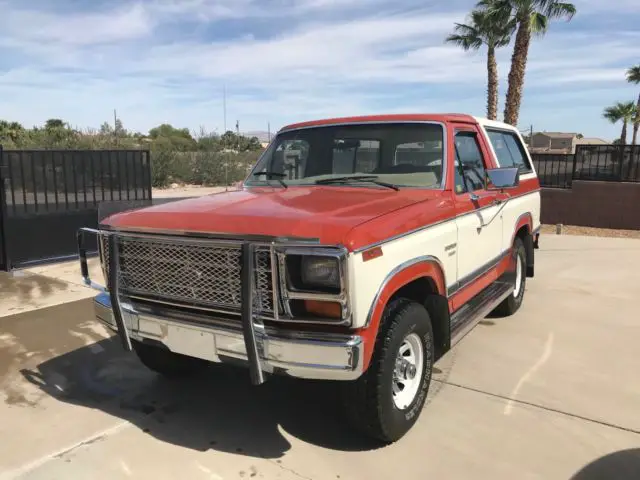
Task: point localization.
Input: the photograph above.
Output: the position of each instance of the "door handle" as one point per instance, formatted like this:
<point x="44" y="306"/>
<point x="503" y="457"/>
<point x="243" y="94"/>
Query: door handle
<point x="475" y="198"/>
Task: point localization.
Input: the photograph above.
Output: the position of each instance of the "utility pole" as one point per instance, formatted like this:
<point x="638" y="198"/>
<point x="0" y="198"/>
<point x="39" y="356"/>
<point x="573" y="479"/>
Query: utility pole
<point x="115" y="126"/>
<point x="224" y="106"/>
<point x="269" y="132"/>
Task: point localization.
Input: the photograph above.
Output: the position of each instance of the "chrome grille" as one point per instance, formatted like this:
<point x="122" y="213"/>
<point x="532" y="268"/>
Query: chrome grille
<point x="191" y="272"/>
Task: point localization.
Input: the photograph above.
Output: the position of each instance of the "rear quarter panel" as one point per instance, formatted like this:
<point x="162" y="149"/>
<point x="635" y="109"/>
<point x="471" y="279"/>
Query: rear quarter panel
<point x="524" y="205"/>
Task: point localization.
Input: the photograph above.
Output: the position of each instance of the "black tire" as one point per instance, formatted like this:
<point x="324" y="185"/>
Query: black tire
<point x="512" y="303"/>
<point x="368" y="401"/>
<point x="167" y="363"/>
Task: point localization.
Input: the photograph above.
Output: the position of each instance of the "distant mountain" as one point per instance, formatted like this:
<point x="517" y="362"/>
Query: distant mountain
<point x="262" y="135"/>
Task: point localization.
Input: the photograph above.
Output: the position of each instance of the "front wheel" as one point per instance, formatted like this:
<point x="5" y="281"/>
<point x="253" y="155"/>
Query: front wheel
<point x="387" y="400"/>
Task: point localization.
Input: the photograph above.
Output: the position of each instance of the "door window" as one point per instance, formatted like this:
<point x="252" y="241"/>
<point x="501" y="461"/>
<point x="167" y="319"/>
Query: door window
<point x="469" y="167"/>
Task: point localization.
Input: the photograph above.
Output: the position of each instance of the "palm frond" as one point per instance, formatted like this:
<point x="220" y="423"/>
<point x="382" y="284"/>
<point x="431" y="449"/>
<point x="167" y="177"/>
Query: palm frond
<point x="539" y="23"/>
<point x="633" y="74"/>
<point x="464" y="41"/>
<point x="558" y="10"/>
<point x="624" y="111"/>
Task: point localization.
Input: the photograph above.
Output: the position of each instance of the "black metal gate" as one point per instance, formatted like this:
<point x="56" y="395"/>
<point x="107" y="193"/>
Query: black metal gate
<point x="3" y="253"/>
<point x="49" y="194"/>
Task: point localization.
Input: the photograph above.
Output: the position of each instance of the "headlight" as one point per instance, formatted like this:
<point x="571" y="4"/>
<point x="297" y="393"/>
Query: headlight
<point x="319" y="271"/>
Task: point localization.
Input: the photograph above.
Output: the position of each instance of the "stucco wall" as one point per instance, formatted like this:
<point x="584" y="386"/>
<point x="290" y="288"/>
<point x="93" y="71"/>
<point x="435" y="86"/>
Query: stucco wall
<point x="593" y="204"/>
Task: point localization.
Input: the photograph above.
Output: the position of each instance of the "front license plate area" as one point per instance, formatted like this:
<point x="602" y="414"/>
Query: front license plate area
<point x="180" y="339"/>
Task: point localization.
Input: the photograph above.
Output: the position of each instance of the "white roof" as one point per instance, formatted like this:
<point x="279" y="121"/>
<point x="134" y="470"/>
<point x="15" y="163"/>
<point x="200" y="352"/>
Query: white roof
<point x="485" y="122"/>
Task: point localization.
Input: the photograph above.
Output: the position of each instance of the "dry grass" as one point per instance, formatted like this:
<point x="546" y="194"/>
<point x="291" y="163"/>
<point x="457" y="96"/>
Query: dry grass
<point x="591" y="231"/>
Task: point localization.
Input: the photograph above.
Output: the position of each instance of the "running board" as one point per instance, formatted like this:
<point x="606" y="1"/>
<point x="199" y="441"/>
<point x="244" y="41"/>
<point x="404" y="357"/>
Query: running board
<point x="469" y="315"/>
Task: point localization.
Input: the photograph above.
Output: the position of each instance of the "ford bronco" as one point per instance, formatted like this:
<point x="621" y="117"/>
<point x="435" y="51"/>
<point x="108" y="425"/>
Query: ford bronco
<point x="357" y="250"/>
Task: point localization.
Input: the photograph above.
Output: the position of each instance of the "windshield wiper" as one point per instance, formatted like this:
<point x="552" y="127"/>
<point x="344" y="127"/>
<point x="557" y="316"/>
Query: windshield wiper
<point x="356" y="178"/>
<point x="278" y="175"/>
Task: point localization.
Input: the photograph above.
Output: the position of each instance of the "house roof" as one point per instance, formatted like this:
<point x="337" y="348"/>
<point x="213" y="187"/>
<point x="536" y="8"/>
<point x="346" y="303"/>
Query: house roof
<point x="592" y="140"/>
<point x="557" y="134"/>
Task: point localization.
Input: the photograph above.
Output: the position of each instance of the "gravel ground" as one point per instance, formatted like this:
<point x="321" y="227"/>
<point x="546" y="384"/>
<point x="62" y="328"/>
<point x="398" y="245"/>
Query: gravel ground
<point x="591" y="231"/>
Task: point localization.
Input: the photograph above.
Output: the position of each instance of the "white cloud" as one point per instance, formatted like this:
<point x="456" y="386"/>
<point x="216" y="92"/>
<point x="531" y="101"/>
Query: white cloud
<point x="32" y="26"/>
<point x="312" y="60"/>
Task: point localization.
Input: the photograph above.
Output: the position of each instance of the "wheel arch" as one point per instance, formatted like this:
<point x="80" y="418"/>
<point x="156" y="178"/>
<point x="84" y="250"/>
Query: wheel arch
<point x="421" y="279"/>
<point x="523" y="229"/>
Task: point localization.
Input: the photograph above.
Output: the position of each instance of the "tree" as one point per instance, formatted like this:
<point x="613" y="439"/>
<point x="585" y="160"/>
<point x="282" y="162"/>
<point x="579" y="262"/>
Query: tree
<point x="633" y="76"/>
<point x="531" y="17"/>
<point x="11" y="133"/>
<point x="179" y="138"/>
<point x="494" y="32"/>
<point x="54" y="123"/>
<point x="621" y="111"/>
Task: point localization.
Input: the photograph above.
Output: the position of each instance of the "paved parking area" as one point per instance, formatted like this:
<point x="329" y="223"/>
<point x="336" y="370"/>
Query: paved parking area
<point x="551" y="393"/>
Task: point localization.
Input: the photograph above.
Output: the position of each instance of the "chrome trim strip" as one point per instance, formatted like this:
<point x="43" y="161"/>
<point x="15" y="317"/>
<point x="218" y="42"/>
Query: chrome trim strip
<point x="432" y="225"/>
<point x="477" y="273"/>
<point x="362" y="122"/>
<point x="394" y="272"/>
<point x="266" y="239"/>
<point x="310" y="355"/>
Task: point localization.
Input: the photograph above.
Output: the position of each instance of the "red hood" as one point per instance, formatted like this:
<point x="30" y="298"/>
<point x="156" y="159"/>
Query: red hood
<point x="318" y="212"/>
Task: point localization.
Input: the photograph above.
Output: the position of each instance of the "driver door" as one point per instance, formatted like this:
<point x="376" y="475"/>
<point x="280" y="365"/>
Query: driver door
<point x="478" y="217"/>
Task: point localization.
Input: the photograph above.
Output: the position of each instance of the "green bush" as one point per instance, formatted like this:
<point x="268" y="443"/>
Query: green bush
<point x="176" y="155"/>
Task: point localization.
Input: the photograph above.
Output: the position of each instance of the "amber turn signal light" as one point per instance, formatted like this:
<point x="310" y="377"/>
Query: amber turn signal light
<point x="323" y="309"/>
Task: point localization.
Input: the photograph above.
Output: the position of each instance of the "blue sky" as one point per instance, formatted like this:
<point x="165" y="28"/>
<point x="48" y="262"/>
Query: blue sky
<point x="284" y="61"/>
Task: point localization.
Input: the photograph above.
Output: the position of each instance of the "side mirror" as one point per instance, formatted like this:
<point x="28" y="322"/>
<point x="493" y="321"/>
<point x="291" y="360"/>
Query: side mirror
<point x="501" y="178"/>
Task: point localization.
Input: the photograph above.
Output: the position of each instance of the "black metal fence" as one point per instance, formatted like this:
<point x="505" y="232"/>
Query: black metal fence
<point x="609" y="163"/>
<point x="46" y="195"/>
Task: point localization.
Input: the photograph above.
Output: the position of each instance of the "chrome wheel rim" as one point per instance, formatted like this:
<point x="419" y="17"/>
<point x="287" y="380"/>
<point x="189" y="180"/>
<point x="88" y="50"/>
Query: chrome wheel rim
<point x="408" y="371"/>
<point x="516" y="291"/>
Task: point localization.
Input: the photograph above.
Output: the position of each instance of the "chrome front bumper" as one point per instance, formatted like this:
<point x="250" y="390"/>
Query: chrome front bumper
<point x="297" y="354"/>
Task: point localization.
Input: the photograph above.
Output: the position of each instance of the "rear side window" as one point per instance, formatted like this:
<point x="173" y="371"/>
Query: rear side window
<point x="509" y="150"/>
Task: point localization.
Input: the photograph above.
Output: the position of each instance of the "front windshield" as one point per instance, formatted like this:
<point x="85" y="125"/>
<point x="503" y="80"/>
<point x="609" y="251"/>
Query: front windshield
<point x="400" y="154"/>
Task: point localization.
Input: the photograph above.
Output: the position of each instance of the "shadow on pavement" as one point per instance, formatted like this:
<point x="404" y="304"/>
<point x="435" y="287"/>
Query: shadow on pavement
<point x="219" y="409"/>
<point x="624" y="464"/>
<point x="27" y="287"/>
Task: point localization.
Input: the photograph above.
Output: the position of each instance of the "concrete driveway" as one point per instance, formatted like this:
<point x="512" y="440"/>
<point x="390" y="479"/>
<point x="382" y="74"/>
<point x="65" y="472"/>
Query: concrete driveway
<point x="551" y="393"/>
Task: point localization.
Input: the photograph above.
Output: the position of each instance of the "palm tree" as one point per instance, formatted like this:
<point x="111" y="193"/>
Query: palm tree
<point x="532" y="17"/>
<point x="621" y="111"/>
<point x="633" y="76"/>
<point x="489" y="30"/>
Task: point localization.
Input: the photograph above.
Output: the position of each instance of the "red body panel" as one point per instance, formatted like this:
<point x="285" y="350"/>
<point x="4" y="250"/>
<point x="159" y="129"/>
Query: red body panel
<point x="419" y="270"/>
<point x="354" y="217"/>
